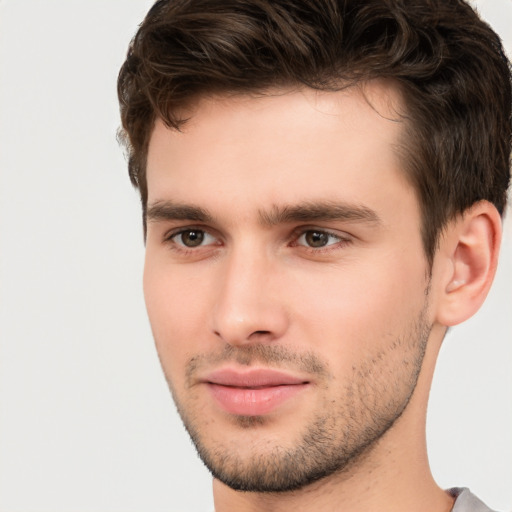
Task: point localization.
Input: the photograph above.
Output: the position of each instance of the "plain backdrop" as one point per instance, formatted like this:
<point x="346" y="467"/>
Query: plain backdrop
<point x="86" y="420"/>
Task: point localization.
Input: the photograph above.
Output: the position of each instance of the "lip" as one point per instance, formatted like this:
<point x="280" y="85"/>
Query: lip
<point x="254" y="392"/>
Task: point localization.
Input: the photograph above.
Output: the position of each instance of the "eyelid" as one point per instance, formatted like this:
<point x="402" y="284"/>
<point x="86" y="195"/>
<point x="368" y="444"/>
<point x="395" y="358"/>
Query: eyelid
<point x="169" y="235"/>
<point x="343" y="238"/>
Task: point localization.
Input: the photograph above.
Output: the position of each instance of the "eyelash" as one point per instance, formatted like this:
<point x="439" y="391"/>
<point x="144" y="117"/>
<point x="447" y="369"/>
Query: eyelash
<point x="342" y="241"/>
<point x="181" y="248"/>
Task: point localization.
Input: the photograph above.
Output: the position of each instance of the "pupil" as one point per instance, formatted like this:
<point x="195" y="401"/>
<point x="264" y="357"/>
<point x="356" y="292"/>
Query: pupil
<point x="316" y="239"/>
<point x="192" y="238"/>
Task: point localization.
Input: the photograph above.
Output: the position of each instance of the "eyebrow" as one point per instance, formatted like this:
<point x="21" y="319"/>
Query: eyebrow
<point x="319" y="211"/>
<point x="168" y="210"/>
<point x="302" y="212"/>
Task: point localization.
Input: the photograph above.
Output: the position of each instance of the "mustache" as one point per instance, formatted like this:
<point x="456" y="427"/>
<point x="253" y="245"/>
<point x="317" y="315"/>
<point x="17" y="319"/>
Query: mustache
<point x="270" y="355"/>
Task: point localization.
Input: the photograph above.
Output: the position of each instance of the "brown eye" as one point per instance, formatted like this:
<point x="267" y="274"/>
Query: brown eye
<point x="316" y="238"/>
<point x="319" y="239"/>
<point x="190" y="238"/>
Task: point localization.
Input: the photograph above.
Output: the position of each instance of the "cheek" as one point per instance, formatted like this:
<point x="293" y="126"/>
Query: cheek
<point x="175" y="303"/>
<point x="354" y="308"/>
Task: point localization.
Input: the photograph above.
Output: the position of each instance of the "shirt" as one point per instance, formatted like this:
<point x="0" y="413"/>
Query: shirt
<point x="466" y="501"/>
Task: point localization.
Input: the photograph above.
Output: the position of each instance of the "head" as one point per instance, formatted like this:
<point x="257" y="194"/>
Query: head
<point x="299" y="163"/>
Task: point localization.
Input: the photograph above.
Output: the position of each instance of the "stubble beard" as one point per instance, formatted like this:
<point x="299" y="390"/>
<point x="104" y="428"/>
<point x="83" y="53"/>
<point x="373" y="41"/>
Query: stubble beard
<point x="336" y="439"/>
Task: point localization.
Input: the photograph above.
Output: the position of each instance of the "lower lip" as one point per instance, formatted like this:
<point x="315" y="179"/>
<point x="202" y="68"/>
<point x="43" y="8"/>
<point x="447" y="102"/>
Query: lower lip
<point x="253" y="401"/>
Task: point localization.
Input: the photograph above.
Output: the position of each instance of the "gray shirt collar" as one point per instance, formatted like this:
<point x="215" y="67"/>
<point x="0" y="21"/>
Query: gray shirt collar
<point x="466" y="501"/>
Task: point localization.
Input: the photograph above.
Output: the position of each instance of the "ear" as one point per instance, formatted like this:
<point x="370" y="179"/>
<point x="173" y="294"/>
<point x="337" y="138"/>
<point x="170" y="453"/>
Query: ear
<point x="468" y="257"/>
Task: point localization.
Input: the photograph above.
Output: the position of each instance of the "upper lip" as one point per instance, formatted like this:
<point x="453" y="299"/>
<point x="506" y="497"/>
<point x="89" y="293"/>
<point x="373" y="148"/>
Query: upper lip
<point x="253" y="378"/>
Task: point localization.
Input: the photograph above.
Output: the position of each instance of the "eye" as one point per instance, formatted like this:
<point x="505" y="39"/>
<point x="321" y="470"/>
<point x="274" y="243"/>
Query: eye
<point x="191" y="238"/>
<point x="317" y="239"/>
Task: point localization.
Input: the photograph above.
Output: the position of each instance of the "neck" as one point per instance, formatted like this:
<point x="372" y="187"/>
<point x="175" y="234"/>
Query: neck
<point x="393" y="476"/>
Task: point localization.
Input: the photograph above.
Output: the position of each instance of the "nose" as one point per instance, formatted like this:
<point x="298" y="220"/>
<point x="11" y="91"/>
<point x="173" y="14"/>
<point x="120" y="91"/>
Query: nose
<point x="248" y="307"/>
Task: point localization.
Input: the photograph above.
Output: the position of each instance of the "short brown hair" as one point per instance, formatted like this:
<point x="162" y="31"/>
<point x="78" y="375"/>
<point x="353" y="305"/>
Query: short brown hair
<point x="449" y="65"/>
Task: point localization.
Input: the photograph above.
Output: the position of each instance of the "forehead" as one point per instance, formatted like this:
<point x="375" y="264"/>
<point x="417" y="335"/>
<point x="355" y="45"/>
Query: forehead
<point x="281" y="147"/>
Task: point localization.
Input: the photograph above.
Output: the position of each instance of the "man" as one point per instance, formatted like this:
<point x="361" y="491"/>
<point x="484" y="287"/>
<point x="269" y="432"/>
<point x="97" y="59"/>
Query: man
<point x="322" y="185"/>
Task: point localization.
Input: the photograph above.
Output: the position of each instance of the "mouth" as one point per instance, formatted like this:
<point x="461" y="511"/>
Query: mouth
<point x="255" y="392"/>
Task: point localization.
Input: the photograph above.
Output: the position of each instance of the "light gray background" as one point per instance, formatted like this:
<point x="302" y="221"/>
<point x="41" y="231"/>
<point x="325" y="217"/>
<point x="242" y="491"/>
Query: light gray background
<point x="86" y="421"/>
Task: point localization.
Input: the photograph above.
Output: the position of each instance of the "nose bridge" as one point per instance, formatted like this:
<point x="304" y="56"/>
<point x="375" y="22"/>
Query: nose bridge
<point x="246" y="306"/>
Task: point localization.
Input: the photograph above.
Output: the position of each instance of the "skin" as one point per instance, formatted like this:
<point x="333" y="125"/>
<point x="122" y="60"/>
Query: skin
<point x="360" y="319"/>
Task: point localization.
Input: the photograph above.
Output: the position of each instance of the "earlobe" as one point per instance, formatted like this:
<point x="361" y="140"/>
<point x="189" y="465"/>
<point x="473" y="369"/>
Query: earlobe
<point x="470" y="250"/>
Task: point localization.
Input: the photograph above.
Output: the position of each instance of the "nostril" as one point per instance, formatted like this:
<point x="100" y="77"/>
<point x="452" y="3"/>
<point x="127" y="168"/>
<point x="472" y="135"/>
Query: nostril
<point x="237" y="323"/>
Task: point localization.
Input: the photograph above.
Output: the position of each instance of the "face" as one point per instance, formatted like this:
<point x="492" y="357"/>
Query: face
<point x="285" y="280"/>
